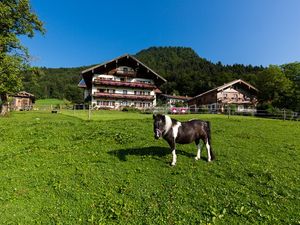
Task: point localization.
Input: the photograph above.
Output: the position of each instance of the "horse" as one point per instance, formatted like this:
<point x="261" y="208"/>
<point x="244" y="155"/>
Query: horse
<point x="174" y="132"/>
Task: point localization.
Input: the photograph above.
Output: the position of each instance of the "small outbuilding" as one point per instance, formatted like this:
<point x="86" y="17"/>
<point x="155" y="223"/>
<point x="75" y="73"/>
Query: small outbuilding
<point x="22" y="101"/>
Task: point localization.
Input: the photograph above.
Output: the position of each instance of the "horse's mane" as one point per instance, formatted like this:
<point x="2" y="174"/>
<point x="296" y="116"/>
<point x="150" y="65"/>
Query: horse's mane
<point x="174" y="121"/>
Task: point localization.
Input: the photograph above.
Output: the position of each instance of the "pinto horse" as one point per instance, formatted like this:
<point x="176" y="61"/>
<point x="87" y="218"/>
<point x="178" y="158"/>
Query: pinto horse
<point x="174" y="132"/>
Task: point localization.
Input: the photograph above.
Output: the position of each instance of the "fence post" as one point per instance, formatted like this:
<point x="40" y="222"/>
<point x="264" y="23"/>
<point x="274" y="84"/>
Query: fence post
<point x="89" y="112"/>
<point x="228" y="112"/>
<point x="284" y="115"/>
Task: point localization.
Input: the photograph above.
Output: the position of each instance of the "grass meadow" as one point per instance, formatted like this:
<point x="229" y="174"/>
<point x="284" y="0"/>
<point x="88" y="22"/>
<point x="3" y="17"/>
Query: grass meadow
<point x="64" y="169"/>
<point x="48" y="102"/>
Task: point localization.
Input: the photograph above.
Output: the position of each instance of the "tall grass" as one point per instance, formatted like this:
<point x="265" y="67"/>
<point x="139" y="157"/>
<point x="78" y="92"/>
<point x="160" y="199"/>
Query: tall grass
<point x="60" y="169"/>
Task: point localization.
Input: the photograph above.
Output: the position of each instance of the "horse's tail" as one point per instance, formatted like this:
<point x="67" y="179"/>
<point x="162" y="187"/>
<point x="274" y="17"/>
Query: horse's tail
<point x="208" y="132"/>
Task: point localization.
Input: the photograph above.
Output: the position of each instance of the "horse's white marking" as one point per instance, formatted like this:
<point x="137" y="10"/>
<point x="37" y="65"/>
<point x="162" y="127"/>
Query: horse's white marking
<point x="168" y="124"/>
<point x="174" y="158"/>
<point x="157" y="133"/>
<point x="175" y="129"/>
<point x="198" y="152"/>
<point x="208" y="151"/>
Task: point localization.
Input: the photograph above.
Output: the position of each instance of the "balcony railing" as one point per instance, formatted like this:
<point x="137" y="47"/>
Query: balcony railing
<point x="236" y="100"/>
<point x="124" y="84"/>
<point x="123" y="96"/>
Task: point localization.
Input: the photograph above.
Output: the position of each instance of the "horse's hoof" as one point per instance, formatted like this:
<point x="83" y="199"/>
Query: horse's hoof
<point x="173" y="164"/>
<point x="196" y="158"/>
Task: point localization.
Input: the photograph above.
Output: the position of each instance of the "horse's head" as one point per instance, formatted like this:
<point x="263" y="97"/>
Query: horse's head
<point x="159" y="125"/>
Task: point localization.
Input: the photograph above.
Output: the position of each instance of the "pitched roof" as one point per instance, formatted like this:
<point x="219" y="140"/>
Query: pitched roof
<point x="176" y="97"/>
<point x="234" y="82"/>
<point x="224" y="86"/>
<point x="91" y="69"/>
<point x="24" y="94"/>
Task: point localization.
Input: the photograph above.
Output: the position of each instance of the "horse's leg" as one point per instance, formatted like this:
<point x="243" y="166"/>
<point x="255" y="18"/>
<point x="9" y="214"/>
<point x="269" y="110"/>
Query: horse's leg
<point x="198" y="149"/>
<point x="173" y="148"/>
<point x="174" y="160"/>
<point x="208" y="150"/>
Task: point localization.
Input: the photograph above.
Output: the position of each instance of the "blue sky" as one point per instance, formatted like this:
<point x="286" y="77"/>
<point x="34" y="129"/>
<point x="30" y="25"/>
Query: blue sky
<point x="257" y="32"/>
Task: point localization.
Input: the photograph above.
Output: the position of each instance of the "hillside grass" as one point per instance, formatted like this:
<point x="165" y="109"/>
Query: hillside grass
<point x="49" y="101"/>
<point x="60" y="169"/>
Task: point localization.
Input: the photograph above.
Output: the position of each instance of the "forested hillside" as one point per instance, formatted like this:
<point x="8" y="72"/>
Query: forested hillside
<point x="58" y="83"/>
<point x="187" y="74"/>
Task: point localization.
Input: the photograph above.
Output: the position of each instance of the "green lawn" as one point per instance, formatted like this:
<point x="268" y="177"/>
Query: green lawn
<point x="105" y="115"/>
<point x="49" y="101"/>
<point x="61" y="169"/>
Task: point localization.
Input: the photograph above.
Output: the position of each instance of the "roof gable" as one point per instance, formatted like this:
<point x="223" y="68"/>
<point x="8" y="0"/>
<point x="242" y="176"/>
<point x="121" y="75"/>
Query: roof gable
<point x="227" y="85"/>
<point x="124" y="60"/>
<point x="239" y="81"/>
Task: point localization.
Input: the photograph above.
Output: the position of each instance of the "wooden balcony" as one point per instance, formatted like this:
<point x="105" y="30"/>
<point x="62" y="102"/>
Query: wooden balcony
<point x="123" y="96"/>
<point x="124" y="84"/>
<point x="233" y="100"/>
<point x="123" y="73"/>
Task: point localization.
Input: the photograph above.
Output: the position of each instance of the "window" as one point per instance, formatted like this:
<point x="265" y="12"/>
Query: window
<point x="125" y="103"/>
<point x="106" y="78"/>
<point x="106" y="103"/>
<point x="124" y="92"/>
<point x="111" y="91"/>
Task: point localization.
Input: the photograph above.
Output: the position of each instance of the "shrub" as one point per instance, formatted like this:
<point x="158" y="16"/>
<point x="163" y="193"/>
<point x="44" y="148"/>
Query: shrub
<point x="130" y="109"/>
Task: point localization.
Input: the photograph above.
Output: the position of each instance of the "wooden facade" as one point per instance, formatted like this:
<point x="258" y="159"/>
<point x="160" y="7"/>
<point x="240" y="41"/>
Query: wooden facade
<point x="237" y="93"/>
<point x="22" y="101"/>
<point x="124" y="81"/>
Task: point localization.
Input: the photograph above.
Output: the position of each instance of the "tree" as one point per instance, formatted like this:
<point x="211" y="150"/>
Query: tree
<point x="16" y="18"/>
<point x="292" y="71"/>
<point x="274" y="87"/>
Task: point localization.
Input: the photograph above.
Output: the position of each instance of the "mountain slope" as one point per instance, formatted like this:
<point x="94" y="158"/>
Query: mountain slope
<point x="189" y="74"/>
